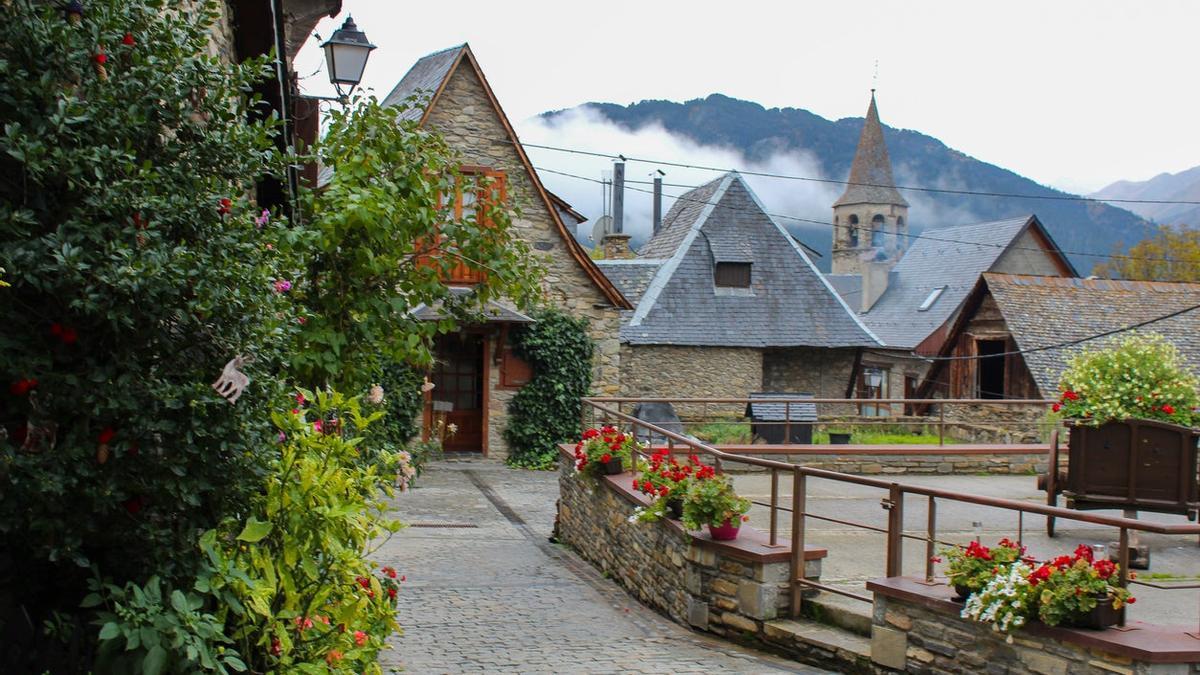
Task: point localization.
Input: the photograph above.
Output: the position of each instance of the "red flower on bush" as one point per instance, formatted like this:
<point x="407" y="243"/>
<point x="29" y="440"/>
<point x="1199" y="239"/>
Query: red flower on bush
<point x="101" y="58"/>
<point x="360" y="638"/>
<point x="1069" y="395"/>
<point x="22" y="386"/>
<point x="333" y="656"/>
<point x="1105" y="568"/>
<point x="226" y="205"/>
<point x="605" y="458"/>
<point x="106" y="435"/>
<point x="1084" y="552"/>
<point x="1056" y="407"/>
<point x="390" y="572"/>
<point x="1168" y="408"/>
<point x="127" y="40"/>
<point x="392" y="593"/>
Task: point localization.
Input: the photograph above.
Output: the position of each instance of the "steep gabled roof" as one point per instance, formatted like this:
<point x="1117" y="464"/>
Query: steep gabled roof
<point x="789" y="303"/>
<point x="871" y="179"/>
<point x="632" y="276"/>
<point x="423" y="84"/>
<point x="1044" y="311"/>
<point x="950" y="258"/>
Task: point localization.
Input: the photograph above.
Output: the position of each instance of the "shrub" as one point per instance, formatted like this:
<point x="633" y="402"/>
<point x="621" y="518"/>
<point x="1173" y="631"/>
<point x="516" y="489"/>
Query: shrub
<point x="711" y="500"/>
<point x="972" y="566"/>
<point x="291" y="578"/>
<point x="546" y="411"/>
<point x="137" y="272"/>
<point x="1138" y="376"/>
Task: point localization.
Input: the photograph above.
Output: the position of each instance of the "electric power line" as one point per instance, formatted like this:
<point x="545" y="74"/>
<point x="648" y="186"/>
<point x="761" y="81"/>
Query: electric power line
<point x="913" y="188"/>
<point x="1064" y="252"/>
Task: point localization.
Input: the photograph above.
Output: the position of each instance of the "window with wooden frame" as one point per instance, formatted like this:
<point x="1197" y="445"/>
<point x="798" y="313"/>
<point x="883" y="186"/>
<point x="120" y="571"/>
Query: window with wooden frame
<point x="477" y="190"/>
<point x="515" y="372"/>
<point x="732" y="274"/>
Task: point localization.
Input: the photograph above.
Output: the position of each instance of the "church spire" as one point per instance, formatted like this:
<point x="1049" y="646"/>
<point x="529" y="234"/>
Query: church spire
<point x="871" y="179"/>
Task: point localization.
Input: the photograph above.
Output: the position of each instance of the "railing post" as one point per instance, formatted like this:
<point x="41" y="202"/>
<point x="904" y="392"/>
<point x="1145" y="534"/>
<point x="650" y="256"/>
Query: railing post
<point x="1123" y="560"/>
<point x="930" y="535"/>
<point x="895" y="530"/>
<point x="774" y="506"/>
<point x="942" y="423"/>
<point x="799" y="497"/>
<point x="787" y="422"/>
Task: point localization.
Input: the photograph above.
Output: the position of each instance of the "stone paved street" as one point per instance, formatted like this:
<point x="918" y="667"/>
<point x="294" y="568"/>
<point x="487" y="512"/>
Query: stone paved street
<point x="498" y="597"/>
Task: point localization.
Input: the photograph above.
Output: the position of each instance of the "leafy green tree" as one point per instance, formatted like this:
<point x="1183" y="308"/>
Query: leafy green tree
<point x="1173" y="254"/>
<point x="137" y="271"/>
<point x="381" y="239"/>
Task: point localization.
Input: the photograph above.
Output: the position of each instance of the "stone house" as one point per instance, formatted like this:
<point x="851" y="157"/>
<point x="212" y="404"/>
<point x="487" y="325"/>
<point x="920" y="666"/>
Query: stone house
<point x="1009" y="315"/>
<point x="728" y="303"/>
<point x="476" y="374"/>
<point x="908" y="289"/>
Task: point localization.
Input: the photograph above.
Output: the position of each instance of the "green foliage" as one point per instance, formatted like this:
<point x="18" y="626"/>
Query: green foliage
<point x="546" y="411"/>
<point x="1072" y="589"/>
<point x="149" y="630"/>
<point x="381" y="237"/>
<point x="974" y="565"/>
<point x="1137" y="376"/>
<point x="292" y="573"/>
<point x="129" y="293"/>
<point x="712" y="502"/>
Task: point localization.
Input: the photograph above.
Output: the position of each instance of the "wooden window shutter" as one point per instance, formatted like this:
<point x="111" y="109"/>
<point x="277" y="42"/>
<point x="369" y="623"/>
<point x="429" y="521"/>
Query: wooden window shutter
<point x="488" y="187"/>
<point x="514" y="371"/>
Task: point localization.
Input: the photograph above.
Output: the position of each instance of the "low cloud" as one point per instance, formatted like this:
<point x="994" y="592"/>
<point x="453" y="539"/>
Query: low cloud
<point x="586" y="129"/>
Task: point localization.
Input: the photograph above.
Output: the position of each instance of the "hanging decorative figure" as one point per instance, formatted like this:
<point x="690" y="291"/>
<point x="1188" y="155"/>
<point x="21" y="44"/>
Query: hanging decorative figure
<point x="232" y="381"/>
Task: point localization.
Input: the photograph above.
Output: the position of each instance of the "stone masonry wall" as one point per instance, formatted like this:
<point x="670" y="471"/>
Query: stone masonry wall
<point x="985" y="423"/>
<point x="663" y="566"/>
<point x="824" y="373"/>
<point x="898" y="465"/>
<point x="692" y="372"/>
<point x="928" y="641"/>
<point x="464" y="115"/>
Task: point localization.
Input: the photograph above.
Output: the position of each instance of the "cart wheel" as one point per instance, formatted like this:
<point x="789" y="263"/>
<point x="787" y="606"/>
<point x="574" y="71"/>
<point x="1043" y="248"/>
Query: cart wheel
<point x="1051" y="500"/>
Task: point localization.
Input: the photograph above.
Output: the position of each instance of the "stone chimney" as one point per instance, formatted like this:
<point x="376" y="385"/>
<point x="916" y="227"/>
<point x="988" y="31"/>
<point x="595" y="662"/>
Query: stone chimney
<point x="616" y="246"/>
<point x="657" y="222"/>
<point x="875" y="277"/>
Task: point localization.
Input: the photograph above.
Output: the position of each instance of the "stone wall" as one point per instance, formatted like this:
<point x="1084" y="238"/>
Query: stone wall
<point x="910" y="464"/>
<point x="987" y="423"/>
<point x="465" y="116"/>
<point x="824" y="373"/>
<point x="929" y="637"/>
<point x="671" y="371"/>
<point x="683" y="576"/>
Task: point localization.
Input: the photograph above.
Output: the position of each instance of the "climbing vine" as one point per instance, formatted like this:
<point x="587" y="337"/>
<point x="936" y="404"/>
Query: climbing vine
<point x="546" y="410"/>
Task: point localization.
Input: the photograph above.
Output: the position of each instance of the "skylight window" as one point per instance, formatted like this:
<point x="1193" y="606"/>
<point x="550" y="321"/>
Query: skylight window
<point x="931" y="298"/>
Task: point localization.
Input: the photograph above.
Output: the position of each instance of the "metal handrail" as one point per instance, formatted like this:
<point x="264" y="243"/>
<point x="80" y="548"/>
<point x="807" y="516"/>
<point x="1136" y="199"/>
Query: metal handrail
<point x="893" y="503"/>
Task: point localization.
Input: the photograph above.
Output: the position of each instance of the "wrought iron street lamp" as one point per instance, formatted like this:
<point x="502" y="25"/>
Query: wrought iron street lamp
<point x="346" y="54"/>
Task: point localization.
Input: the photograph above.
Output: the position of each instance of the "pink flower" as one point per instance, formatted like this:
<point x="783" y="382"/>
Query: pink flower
<point x="360" y="638"/>
<point x="282" y="285"/>
<point x="318" y="426"/>
<point x="263" y="218"/>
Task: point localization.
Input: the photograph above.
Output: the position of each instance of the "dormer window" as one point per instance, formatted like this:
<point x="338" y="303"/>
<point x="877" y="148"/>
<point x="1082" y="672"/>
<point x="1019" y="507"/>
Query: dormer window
<point x="931" y="298"/>
<point x="732" y="275"/>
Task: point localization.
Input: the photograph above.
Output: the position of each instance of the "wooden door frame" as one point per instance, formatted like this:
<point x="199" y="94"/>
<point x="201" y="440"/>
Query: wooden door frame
<point x="427" y="412"/>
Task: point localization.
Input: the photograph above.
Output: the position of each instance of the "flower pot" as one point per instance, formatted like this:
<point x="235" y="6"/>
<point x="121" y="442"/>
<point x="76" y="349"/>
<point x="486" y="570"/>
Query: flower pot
<point x="1102" y="616"/>
<point x="839" y="438"/>
<point x="610" y="468"/>
<point x="727" y="531"/>
<point x="675" y="508"/>
<point x="961" y="591"/>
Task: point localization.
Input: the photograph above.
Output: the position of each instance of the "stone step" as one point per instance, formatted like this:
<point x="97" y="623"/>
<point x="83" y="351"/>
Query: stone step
<point x="818" y="643"/>
<point x="838" y="610"/>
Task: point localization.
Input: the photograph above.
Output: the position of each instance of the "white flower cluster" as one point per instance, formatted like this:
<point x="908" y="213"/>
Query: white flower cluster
<point x="1003" y="602"/>
<point x="637" y="514"/>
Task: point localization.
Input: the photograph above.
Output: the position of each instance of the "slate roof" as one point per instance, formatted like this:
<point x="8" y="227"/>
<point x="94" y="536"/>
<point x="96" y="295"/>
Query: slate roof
<point x="871" y="172"/>
<point x="679" y="220"/>
<point x="949" y="257"/>
<point x="631" y="276"/>
<point x="492" y="311"/>
<point x="762" y="409"/>
<point x="423" y="79"/>
<point x="1042" y="311"/>
<point x="789" y="304"/>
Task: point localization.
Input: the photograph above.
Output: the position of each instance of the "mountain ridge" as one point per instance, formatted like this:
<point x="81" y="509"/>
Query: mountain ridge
<point x="919" y="159"/>
<point x="1180" y="186"/>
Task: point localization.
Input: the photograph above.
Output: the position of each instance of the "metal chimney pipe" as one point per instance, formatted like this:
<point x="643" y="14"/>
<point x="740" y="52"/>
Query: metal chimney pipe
<point x="657" y="203"/>
<point x="618" y="197"/>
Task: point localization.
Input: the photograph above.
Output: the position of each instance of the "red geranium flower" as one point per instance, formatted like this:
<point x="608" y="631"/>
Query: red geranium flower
<point x="392" y="593"/>
<point x="1056" y="407"/>
<point x="1168" y="408"/>
<point x="605" y="458"/>
<point x="1083" y="552"/>
<point x="101" y="58"/>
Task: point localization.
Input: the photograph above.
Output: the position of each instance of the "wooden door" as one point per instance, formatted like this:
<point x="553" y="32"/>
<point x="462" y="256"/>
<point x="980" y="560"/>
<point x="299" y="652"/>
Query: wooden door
<point x="458" y="384"/>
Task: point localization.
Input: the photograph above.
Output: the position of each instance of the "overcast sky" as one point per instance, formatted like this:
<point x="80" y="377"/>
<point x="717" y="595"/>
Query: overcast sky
<point x="1072" y="94"/>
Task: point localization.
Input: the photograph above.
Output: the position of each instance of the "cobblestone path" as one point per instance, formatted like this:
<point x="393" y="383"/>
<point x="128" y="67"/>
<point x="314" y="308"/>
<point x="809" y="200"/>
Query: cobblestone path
<point x="498" y="597"/>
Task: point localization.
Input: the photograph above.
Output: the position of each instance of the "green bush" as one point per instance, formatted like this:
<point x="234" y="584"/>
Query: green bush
<point x="546" y="411"/>
<point x="291" y="578"/>
<point x="132" y="285"/>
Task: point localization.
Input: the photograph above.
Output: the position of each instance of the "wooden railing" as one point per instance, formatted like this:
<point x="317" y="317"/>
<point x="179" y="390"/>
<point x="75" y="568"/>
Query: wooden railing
<point x="601" y="411"/>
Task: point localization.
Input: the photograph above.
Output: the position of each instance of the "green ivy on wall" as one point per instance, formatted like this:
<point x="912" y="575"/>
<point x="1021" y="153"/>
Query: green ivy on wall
<point x="545" y="411"/>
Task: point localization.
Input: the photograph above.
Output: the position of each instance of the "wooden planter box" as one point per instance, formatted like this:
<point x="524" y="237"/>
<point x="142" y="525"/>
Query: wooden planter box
<point x="1143" y="465"/>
